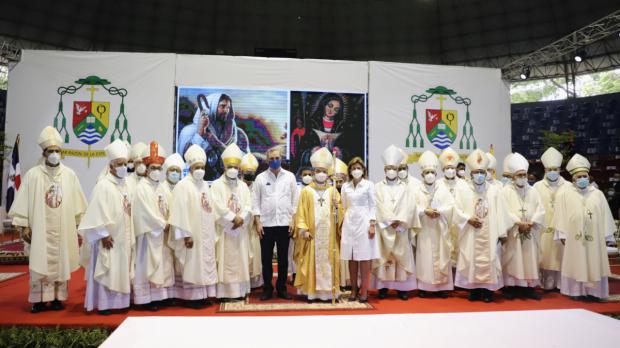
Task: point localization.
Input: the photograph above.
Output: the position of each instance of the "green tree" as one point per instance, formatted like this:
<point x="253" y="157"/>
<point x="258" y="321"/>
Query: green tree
<point x="600" y="83"/>
<point x="538" y="90"/>
<point x="4" y="80"/>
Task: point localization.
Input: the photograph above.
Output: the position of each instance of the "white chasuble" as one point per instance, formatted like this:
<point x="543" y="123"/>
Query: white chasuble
<point x="433" y="247"/>
<point x="232" y="198"/>
<point x="521" y="252"/>
<point x="478" y="264"/>
<point x="583" y="219"/>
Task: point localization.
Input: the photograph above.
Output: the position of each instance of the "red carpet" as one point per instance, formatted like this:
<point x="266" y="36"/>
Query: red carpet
<point x="15" y="308"/>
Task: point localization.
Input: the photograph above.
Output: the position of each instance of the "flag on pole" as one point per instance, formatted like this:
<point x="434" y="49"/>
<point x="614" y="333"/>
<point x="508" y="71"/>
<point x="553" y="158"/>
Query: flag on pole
<point x="14" y="176"/>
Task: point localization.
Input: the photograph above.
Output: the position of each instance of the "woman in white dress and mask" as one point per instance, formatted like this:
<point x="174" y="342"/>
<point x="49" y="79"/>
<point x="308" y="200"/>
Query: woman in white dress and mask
<point x="358" y="244"/>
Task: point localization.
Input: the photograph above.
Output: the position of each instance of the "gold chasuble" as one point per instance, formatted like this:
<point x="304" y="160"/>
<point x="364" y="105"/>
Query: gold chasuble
<point x="318" y="270"/>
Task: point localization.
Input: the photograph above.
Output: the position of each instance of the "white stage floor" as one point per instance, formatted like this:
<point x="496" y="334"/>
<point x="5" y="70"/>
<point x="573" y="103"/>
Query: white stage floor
<point x="548" y="328"/>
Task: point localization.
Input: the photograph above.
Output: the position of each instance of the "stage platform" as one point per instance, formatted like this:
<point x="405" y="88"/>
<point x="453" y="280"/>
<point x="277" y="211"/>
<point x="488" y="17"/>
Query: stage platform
<point x="15" y="308"/>
<point x="550" y="328"/>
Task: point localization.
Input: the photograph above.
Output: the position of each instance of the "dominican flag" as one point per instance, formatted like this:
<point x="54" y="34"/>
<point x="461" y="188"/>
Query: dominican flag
<point x="14" y="176"/>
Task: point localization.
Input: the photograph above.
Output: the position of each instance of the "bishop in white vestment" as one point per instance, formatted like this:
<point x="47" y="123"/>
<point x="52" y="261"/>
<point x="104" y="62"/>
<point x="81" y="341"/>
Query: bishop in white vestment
<point x="491" y="171"/>
<point x="171" y="175"/>
<point x="192" y="222"/>
<point x="249" y="165"/>
<point x="449" y="159"/>
<point x="139" y="168"/>
<point x="397" y="215"/>
<point x="482" y="218"/>
<point x="550" y="249"/>
<point x="154" y="277"/>
<point x="47" y="208"/>
<point x="232" y="207"/>
<point x="108" y="229"/>
<point x="583" y="223"/>
<point x="520" y="253"/>
<point x="433" y="247"/>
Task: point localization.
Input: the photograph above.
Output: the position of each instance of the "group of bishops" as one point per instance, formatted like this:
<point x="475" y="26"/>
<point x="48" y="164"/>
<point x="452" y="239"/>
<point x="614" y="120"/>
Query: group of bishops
<point x="150" y="236"/>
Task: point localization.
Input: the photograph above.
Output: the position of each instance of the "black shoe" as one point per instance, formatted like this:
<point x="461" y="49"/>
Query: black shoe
<point x="151" y="307"/>
<point x="474" y="295"/>
<point x="195" y="304"/>
<point x="283" y="295"/>
<point x="487" y="296"/>
<point x="403" y="295"/>
<point x="509" y="292"/>
<point x="531" y="294"/>
<point x="165" y="303"/>
<point x="593" y="298"/>
<point x="443" y="294"/>
<point x="266" y="295"/>
<point x="383" y="293"/>
<point x="362" y="299"/>
<point x="422" y="294"/>
<point x="105" y="312"/>
<point x="38" y="307"/>
<point x="57" y="305"/>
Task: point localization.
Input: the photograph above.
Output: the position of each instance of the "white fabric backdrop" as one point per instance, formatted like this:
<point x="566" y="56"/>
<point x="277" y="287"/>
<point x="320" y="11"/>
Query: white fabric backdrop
<point x="33" y="100"/>
<point x="391" y="86"/>
<point x="274" y="73"/>
<point x="150" y="80"/>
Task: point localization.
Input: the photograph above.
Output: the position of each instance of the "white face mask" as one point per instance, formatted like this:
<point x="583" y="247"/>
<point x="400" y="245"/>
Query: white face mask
<point x="429" y="178"/>
<point x="521" y="181"/>
<point x="479" y="178"/>
<point x="450" y="173"/>
<point x="121" y="171"/>
<point x="130" y="165"/>
<point x="307" y="179"/>
<point x="174" y="177"/>
<point x="391" y="174"/>
<point x="320" y="177"/>
<point x="357" y="173"/>
<point x="53" y="158"/>
<point x="155" y="175"/>
<point x="489" y="176"/>
<point x="403" y="174"/>
<point x="141" y="169"/>
<point x="198" y="174"/>
<point x="232" y="173"/>
<point x="461" y="172"/>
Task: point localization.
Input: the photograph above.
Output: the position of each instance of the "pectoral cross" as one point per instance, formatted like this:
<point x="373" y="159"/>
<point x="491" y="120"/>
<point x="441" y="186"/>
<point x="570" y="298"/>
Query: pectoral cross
<point x="92" y="91"/>
<point x="393" y="200"/>
<point x="589" y="213"/>
<point x="321" y="200"/>
<point x="523" y="210"/>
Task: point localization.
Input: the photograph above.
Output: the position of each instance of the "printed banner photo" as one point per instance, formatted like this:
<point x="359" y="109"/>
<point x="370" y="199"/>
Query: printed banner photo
<point x="322" y="119"/>
<point x="214" y="118"/>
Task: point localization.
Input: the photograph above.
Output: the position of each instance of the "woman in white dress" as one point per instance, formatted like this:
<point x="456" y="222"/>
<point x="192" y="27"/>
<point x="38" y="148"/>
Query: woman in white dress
<point x="358" y="244"/>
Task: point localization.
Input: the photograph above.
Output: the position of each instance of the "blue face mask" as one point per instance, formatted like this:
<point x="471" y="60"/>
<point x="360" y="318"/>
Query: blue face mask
<point x="174" y="177"/>
<point x="504" y="180"/>
<point x="479" y="178"/>
<point x="553" y="175"/>
<point x="582" y="182"/>
<point x="274" y="164"/>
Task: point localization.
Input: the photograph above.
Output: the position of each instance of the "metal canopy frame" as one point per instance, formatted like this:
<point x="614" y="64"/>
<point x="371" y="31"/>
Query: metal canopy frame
<point x="599" y="39"/>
